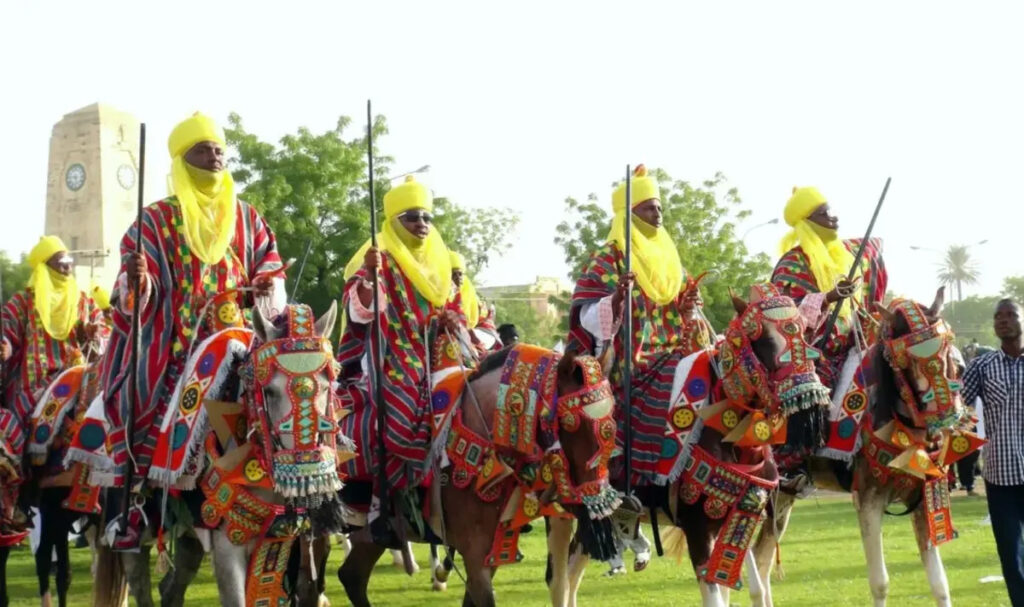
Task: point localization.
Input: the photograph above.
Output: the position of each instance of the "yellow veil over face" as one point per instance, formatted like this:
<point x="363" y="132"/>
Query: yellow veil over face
<point x="55" y="295"/>
<point x="828" y="256"/>
<point x="655" y="259"/>
<point x="470" y="300"/>
<point x="207" y="199"/>
<point x="426" y="262"/>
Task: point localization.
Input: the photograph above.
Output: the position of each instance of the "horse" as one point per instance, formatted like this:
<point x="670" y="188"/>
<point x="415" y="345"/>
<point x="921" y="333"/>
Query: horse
<point x="497" y="479"/>
<point x="717" y="463"/>
<point x="65" y="495"/>
<point x="913" y="426"/>
<point x="268" y="427"/>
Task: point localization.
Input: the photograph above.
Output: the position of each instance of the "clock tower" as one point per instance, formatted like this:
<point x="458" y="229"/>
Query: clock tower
<point x="91" y="188"/>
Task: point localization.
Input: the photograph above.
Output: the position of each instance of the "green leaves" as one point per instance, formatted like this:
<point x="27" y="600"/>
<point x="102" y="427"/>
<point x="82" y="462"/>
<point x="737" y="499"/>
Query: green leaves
<point x="311" y="188"/>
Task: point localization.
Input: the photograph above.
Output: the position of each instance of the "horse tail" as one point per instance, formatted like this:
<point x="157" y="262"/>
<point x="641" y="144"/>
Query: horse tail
<point x="110" y="586"/>
<point x="674" y="542"/>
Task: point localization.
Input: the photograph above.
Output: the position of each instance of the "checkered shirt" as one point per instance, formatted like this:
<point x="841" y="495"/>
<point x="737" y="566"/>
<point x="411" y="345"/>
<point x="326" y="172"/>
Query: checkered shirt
<point x="999" y="380"/>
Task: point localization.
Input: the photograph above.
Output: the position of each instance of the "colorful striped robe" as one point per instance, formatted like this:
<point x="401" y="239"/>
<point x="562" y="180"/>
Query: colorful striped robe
<point x="179" y="287"/>
<point x="661" y="338"/>
<point x="794" y="278"/>
<point x="406" y="383"/>
<point x="36" y="357"/>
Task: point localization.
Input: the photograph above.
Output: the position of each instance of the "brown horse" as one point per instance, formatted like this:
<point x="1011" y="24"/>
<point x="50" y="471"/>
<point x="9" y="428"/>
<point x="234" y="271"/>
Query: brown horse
<point x="916" y="375"/>
<point x="576" y="448"/>
<point x="716" y="496"/>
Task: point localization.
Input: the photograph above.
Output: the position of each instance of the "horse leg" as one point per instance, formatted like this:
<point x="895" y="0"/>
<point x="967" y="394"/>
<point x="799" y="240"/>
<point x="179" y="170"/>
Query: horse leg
<point x="869" y="515"/>
<point x="48" y="531"/>
<point x="5" y="551"/>
<point x="354" y="573"/>
<point x="559" y="537"/>
<point x="578" y="560"/>
<point x="439" y="570"/>
<point x="931" y="559"/>
<point x="230" y="565"/>
<point x="712" y="595"/>
<point x="754" y="579"/>
<point x="136" y="569"/>
<point x="64" y="523"/>
<point x="479" y="586"/>
<point x="766" y="546"/>
<point x="313" y="555"/>
<point x="322" y="552"/>
<point x="188" y="557"/>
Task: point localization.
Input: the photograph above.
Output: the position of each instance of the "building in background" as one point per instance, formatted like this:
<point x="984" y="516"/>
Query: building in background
<point x="536" y="294"/>
<point x="91" y="189"/>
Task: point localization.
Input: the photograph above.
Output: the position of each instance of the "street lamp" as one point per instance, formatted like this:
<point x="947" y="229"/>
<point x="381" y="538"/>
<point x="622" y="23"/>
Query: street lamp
<point x="760" y="225"/>
<point x="973" y="244"/>
<point x="422" y="169"/>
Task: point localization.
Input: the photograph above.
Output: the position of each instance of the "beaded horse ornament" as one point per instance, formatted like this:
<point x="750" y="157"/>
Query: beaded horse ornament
<point x="934" y="415"/>
<point x="303" y="471"/>
<point x="753" y="414"/>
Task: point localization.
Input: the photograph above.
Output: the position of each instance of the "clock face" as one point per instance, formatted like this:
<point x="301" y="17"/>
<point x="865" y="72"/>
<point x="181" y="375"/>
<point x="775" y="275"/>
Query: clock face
<point x="75" y="177"/>
<point x="126" y="176"/>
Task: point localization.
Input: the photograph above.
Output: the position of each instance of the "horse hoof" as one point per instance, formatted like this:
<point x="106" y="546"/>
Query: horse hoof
<point x="324" y="601"/>
<point x="640" y="565"/>
<point x="441" y="574"/>
<point x="439" y="586"/>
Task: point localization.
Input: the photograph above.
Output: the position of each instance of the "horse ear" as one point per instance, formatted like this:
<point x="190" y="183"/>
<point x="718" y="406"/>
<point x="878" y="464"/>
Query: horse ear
<point x="737" y="303"/>
<point x="940" y="299"/>
<point x="325" y="325"/>
<point x="260" y="325"/>
<point x="887" y="315"/>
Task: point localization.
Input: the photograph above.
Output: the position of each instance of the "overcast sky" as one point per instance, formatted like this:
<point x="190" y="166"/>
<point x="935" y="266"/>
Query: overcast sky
<point x="521" y="104"/>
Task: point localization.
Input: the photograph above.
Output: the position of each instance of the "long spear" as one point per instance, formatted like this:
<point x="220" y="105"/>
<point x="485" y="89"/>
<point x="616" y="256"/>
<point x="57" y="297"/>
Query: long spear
<point x="298" y="277"/>
<point x="383" y="524"/>
<point x="627" y="336"/>
<point x="853" y="269"/>
<point x="129" y="424"/>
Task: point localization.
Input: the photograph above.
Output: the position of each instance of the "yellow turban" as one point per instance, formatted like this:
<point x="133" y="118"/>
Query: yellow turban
<point x="827" y="255"/>
<point x="470" y="300"/>
<point x="801" y="204"/>
<point x="425" y="263"/>
<point x="55" y="296"/>
<point x="207" y="199"/>
<point x="655" y="259"/>
<point x="102" y="297"/>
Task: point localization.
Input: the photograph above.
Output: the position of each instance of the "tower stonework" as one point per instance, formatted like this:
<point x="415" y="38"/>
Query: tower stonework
<point x="91" y="188"/>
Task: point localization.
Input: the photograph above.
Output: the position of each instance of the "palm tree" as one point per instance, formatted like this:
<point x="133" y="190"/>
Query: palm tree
<point x="958" y="269"/>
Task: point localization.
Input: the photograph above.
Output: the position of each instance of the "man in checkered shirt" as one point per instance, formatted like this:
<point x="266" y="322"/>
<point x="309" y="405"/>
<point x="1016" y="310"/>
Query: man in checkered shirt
<point x="998" y="378"/>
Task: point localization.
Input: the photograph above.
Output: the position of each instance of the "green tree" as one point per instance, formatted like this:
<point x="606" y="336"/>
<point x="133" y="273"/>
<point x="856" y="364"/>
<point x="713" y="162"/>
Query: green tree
<point x="14" y="274"/>
<point x="700" y="218"/>
<point x="958" y="269"/>
<point x="1013" y="287"/>
<point x="534" y="327"/>
<point x="478" y="234"/>
<point x="311" y="189"/>
<point x="971" y="318"/>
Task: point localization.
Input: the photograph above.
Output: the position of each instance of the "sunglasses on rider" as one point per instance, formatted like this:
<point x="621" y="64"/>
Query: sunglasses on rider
<point x="416" y="216"/>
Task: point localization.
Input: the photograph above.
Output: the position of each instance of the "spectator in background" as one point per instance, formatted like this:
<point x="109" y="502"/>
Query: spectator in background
<point x="998" y="378"/>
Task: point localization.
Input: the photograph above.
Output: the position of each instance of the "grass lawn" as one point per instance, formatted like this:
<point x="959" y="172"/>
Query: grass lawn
<point x="821" y="556"/>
